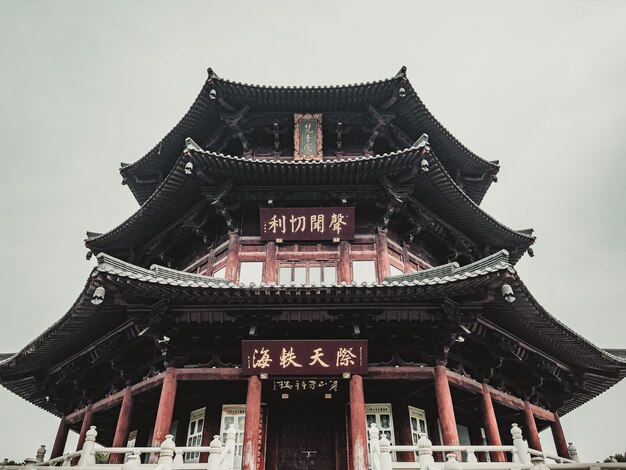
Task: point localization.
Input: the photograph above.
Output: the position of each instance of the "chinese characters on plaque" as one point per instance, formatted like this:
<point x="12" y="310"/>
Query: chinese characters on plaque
<point x="304" y="357"/>
<point x="306" y="385"/>
<point x="307" y="137"/>
<point x="307" y="223"/>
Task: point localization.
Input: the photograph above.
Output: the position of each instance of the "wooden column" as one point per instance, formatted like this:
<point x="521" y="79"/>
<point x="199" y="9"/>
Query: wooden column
<point x="532" y="435"/>
<point x="559" y="438"/>
<point x="382" y="256"/>
<point x="123" y="424"/>
<point x="445" y="407"/>
<point x="166" y="407"/>
<point x="343" y="269"/>
<point x="402" y="426"/>
<point x="252" y="424"/>
<point x="61" y="439"/>
<point x="84" y="427"/>
<point x="270" y="268"/>
<point x="358" y="425"/>
<point x="232" y="258"/>
<point x="491" y="425"/>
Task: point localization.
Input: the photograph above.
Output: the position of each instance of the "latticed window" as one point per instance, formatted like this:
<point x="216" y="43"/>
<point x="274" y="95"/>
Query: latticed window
<point x="380" y="414"/>
<point x="310" y="273"/>
<point x="194" y="434"/>
<point x="234" y="414"/>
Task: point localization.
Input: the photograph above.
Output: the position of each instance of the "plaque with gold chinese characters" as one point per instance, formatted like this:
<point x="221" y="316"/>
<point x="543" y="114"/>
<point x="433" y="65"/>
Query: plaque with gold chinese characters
<point x="307" y="137"/>
<point x="304" y="357"/>
<point x="307" y="223"/>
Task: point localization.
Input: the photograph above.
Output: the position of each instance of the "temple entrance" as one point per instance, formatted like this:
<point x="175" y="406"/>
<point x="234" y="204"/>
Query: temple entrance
<point x="307" y="434"/>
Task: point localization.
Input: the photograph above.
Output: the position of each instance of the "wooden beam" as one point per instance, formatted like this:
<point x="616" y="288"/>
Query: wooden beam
<point x="499" y="396"/>
<point x="210" y="374"/>
<point x="400" y="373"/>
<point x="251" y="426"/>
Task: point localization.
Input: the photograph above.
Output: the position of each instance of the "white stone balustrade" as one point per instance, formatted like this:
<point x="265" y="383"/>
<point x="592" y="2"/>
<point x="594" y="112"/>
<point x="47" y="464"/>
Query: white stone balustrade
<point x="221" y="456"/>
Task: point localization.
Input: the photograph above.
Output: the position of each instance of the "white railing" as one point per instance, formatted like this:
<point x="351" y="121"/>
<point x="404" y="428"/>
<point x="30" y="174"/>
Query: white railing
<point x="222" y="456"/>
<point x="170" y="457"/>
<point x="518" y="456"/>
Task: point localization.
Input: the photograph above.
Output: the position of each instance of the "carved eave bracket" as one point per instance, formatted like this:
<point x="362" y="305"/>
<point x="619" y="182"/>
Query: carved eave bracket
<point x="397" y="195"/>
<point x="218" y="198"/>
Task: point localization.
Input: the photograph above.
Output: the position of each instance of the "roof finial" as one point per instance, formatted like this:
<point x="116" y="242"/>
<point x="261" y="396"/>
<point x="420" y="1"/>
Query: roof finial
<point x="211" y="74"/>
<point x="401" y="73"/>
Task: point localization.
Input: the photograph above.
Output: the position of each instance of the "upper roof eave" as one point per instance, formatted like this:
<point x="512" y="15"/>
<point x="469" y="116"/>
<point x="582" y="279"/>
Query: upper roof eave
<point x="157" y="163"/>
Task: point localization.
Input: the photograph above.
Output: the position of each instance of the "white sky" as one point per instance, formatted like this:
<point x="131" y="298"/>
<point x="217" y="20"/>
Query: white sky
<point x="538" y="85"/>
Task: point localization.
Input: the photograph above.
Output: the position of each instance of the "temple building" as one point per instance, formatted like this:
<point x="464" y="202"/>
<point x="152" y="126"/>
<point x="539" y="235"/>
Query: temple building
<point x="304" y="262"/>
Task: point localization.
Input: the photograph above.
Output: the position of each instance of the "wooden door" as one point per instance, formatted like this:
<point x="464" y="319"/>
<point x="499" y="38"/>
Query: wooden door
<point x="306" y="435"/>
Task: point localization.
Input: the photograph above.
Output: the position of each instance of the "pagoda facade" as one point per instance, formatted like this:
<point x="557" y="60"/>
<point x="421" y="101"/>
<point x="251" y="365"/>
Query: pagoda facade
<point x="306" y="263"/>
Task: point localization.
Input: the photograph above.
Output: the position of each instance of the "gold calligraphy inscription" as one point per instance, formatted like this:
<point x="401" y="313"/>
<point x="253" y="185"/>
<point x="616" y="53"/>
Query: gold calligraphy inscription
<point x="278" y="224"/>
<point x="307" y="137"/>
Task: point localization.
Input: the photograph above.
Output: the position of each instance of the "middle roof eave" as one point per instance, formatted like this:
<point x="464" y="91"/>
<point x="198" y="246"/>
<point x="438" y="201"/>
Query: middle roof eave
<point x="180" y="191"/>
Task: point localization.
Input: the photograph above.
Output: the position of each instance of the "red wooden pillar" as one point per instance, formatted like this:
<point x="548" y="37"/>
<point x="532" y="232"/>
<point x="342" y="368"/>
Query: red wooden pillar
<point x="232" y="258"/>
<point x="343" y="270"/>
<point x="445" y="408"/>
<point x="252" y="424"/>
<point x="532" y="435"/>
<point x="166" y="407"/>
<point x="382" y="256"/>
<point x="491" y="425"/>
<point x="270" y="268"/>
<point x="358" y="425"/>
<point x="559" y="438"/>
<point x="84" y="427"/>
<point x="123" y="424"/>
<point x="61" y="439"/>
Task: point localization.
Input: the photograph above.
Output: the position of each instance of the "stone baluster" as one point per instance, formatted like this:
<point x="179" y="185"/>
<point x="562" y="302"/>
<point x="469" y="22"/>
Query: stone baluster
<point x="215" y="449"/>
<point x="41" y="452"/>
<point x="178" y="457"/>
<point x="67" y="462"/>
<point x="520" y="444"/>
<point x="166" y="456"/>
<point x="573" y="452"/>
<point x="30" y="464"/>
<point x="374" y="435"/>
<point x="385" y="453"/>
<point x="132" y="463"/>
<point x="87" y="454"/>
<point x="425" y="452"/>
<point x="471" y="455"/>
<point x="228" y="461"/>
<point x="538" y="463"/>
<point x="451" y="462"/>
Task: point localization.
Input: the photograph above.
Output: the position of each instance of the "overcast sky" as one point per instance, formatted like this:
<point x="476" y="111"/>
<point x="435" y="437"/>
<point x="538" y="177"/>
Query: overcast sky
<point x="540" y="86"/>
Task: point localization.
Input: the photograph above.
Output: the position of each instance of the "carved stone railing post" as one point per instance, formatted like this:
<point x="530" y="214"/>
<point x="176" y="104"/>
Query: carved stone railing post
<point x="385" y="453"/>
<point x="374" y="436"/>
<point x="520" y="444"/>
<point x="215" y="449"/>
<point x="30" y="464"/>
<point x="41" y="452"/>
<point x="87" y="456"/>
<point x="228" y="461"/>
<point x="451" y="462"/>
<point x="132" y="463"/>
<point x="425" y="452"/>
<point x="166" y="456"/>
<point x="538" y="464"/>
<point x="573" y="452"/>
<point x="471" y="455"/>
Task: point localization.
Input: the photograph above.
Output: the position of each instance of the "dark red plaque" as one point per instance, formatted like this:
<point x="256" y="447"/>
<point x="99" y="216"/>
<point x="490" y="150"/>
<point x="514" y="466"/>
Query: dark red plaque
<point x="304" y="357"/>
<point x="307" y="223"/>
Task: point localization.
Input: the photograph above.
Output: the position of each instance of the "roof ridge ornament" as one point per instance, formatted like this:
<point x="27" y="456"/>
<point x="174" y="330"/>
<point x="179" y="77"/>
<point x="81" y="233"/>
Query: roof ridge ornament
<point x="401" y="73"/>
<point x="211" y="75"/>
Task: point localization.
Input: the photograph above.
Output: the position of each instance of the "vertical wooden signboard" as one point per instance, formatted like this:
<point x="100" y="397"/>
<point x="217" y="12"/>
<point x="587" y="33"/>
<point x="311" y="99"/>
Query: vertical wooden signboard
<point x="307" y="137"/>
